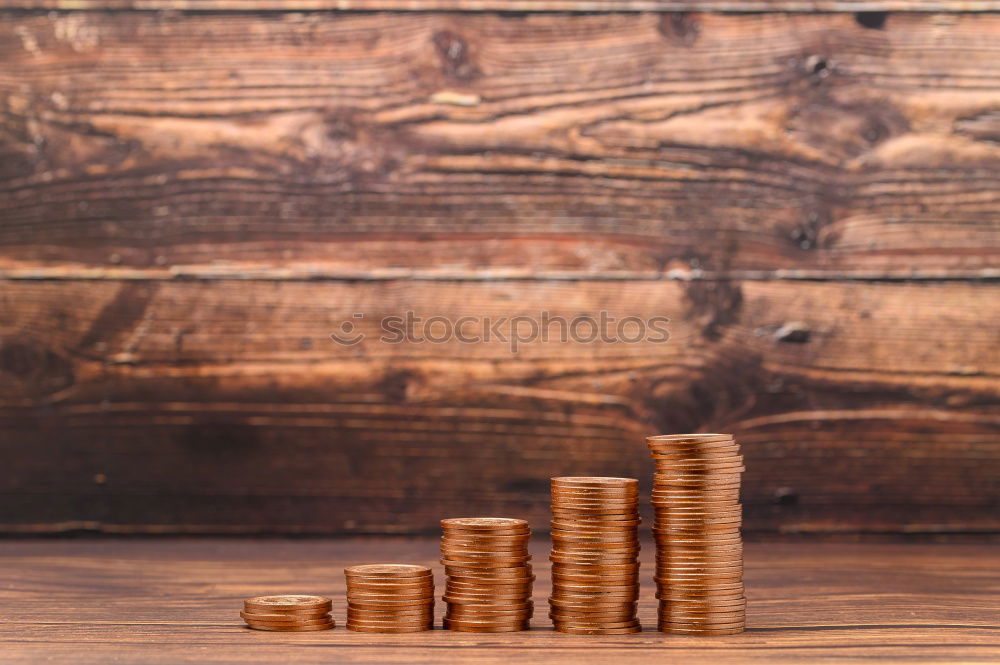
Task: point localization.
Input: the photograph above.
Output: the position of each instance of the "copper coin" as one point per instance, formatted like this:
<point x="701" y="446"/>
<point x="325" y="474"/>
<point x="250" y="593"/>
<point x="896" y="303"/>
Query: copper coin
<point x="483" y="544"/>
<point x="290" y="615"/>
<point x="683" y="458"/>
<point x="389" y="629"/>
<point x="725" y="588"/>
<point x="356" y="615"/>
<point x="696" y="468"/>
<point x="489" y="572"/>
<point x="292" y="629"/>
<point x="366" y="623"/>
<point x="488" y="629"/>
<point x="669" y="594"/>
<point x="475" y="554"/>
<point x="674" y="616"/>
<point x="572" y="629"/>
<point x="494" y="618"/>
<point x="525" y="580"/>
<point x="388" y="605"/>
<point x="591" y="620"/>
<point x="390" y="592"/>
<point x="595" y="582"/>
<point x="676" y="456"/>
<point x="466" y="565"/>
<point x="712" y="625"/>
<point x="593" y="481"/>
<point x="669" y="549"/>
<point x="288" y="602"/>
<point x="582" y="604"/>
<point x="575" y="526"/>
<point x="449" y="548"/>
<point x="356" y="597"/>
<point x="586" y="502"/>
<point x="600" y="569"/>
<point x="268" y="619"/>
<point x="387" y="570"/>
<point x="461" y="584"/>
<point x="620" y="493"/>
<point x="683" y="606"/>
<point x="407" y="620"/>
<point x="472" y="623"/>
<point x="602" y="624"/>
<point x="706" y="633"/>
<point x="689" y="436"/>
<point x="484" y="523"/>
<point x="508" y="600"/>
<point x="577" y="520"/>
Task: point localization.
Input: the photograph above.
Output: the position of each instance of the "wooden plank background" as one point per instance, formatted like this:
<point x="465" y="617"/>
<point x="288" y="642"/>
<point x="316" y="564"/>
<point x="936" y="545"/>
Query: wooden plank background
<point x="191" y="202"/>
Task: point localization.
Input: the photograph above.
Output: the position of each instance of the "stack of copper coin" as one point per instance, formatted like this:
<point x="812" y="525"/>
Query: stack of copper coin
<point x="288" y="613"/>
<point x="699" y="551"/>
<point x="595" y="548"/>
<point x="390" y="598"/>
<point x="488" y="574"/>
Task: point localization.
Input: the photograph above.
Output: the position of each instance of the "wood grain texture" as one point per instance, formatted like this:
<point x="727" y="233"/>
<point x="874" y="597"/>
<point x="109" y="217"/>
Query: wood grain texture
<point x="208" y="407"/>
<point x="168" y="601"/>
<point x="523" y="5"/>
<point x="467" y="146"/>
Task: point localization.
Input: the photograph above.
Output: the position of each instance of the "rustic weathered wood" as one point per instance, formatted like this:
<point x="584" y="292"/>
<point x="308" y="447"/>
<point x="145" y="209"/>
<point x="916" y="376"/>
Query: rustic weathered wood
<point x="471" y="146"/>
<point x="869" y="6"/>
<point x="200" y="406"/>
<point x="171" y="602"/>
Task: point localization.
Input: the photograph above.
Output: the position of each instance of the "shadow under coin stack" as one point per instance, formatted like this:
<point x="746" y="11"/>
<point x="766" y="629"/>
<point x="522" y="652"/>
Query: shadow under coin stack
<point x="595" y="548"/>
<point x="699" y="551"/>
<point x="488" y="574"/>
<point x="292" y="613"/>
<point x="390" y="598"/>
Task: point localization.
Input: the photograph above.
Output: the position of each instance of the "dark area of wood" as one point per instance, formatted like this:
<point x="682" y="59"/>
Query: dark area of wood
<point x="204" y="406"/>
<point x="166" y="601"/>
<point x="480" y="145"/>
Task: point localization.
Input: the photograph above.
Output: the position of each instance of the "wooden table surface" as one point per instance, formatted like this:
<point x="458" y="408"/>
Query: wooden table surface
<point x="169" y="601"/>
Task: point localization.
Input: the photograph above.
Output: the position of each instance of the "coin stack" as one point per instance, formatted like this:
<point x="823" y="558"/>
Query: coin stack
<point x="699" y="551"/>
<point x="488" y="574"/>
<point x="390" y="598"/>
<point x="288" y="613"/>
<point x="595" y="548"/>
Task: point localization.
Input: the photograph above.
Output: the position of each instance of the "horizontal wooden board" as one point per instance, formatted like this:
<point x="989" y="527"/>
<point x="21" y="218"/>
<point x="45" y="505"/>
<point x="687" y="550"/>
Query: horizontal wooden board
<point x="177" y="601"/>
<point x="472" y="145"/>
<point x="225" y="407"/>
<point x="524" y="5"/>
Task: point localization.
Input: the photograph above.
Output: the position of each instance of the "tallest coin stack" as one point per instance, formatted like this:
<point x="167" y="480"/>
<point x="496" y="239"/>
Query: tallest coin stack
<point x="699" y="551"/>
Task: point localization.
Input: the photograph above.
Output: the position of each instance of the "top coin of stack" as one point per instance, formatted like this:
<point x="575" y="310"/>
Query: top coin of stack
<point x="595" y="547"/>
<point x="288" y="613"/>
<point x="699" y="551"/>
<point x="488" y="574"/>
<point x="390" y="598"/>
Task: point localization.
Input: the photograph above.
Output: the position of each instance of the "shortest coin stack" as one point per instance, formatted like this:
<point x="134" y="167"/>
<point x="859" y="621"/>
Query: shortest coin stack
<point x="390" y="598"/>
<point x="288" y="613"/>
<point x="488" y="574"/>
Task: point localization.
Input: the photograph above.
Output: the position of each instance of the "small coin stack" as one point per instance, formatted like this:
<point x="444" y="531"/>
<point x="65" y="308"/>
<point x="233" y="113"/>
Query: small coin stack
<point x="288" y="613"/>
<point x="488" y="574"/>
<point x="699" y="551"/>
<point x="390" y="598"/>
<point x="595" y="548"/>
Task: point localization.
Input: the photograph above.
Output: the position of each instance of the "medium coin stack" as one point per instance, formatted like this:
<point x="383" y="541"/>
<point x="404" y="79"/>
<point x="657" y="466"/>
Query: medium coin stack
<point x="390" y="598"/>
<point x="595" y="548"/>
<point x="699" y="551"/>
<point x="488" y="574"/>
<point x="288" y="613"/>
